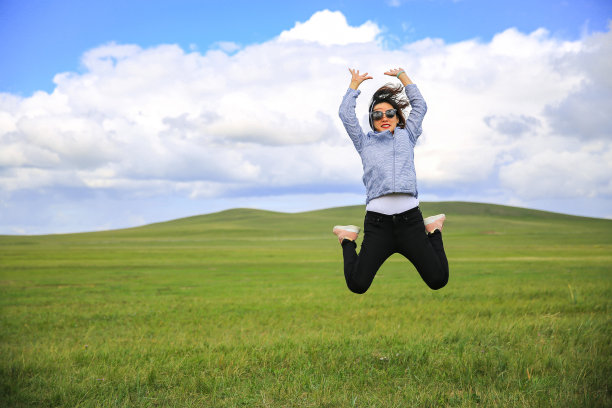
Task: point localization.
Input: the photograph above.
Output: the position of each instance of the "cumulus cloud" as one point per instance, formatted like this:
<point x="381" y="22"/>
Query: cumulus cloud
<point x="512" y="125"/>
<point x="562" y="174"/>
<point x="525" y="113"/>
<point x="586" y="111"/>
<point x="331" y="28"/>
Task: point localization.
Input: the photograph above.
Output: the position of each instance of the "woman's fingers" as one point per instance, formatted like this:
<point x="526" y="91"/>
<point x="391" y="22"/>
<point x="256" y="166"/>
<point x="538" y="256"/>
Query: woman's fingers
<point x="394" y="71"/>
<point x="359" y="77"/>
<point x="356" y="75"/>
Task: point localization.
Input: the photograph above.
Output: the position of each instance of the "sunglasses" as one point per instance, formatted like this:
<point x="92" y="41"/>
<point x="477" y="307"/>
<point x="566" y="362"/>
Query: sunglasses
<point x="377" y="115"/>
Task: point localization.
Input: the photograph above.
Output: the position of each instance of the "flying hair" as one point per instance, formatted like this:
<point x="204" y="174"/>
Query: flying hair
<point x="394" y="96"/>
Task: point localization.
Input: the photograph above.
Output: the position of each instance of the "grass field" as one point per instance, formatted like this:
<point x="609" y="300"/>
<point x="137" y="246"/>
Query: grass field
<point x="249" y="308"/>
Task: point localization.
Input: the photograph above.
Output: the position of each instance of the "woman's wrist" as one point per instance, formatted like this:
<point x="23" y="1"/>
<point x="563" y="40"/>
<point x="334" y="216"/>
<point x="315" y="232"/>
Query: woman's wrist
<point x="354" y="85"/>
<point x="402" y="76"/>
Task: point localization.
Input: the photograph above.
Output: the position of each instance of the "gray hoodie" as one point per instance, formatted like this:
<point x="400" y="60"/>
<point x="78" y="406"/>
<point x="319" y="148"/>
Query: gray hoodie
<point x="387" y="158"/>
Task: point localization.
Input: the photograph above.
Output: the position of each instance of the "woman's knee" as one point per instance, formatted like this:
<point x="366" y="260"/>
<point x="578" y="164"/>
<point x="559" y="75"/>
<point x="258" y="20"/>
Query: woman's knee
<point x="358" y="288"/>
<point x="437" y="283"/>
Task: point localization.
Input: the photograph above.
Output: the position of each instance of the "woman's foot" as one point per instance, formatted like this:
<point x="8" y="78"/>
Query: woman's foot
<point x="435" y="222"/>
<point x="343" y="232"/>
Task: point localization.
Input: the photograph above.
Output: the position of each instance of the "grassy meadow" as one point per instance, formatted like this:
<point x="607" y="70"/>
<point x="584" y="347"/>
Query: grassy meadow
<point x="248" y="308"/>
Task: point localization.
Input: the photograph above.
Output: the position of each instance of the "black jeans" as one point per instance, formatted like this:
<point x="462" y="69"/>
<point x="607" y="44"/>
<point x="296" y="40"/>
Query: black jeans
<point x="385" y="235"/>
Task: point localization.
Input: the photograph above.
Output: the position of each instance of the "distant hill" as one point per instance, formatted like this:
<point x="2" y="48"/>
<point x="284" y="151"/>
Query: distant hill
<point x="462" y="217"/>
<point x="336" y="214"/>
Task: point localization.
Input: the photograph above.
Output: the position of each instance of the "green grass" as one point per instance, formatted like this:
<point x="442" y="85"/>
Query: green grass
<point x="249" y="308"/>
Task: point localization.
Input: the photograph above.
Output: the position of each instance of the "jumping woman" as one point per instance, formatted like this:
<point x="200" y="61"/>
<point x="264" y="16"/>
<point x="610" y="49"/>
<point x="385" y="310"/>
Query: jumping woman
<point x="393" y="221"/>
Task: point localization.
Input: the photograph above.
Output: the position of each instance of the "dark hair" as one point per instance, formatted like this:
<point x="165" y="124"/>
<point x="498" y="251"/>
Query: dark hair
<point x="393" y="95"/>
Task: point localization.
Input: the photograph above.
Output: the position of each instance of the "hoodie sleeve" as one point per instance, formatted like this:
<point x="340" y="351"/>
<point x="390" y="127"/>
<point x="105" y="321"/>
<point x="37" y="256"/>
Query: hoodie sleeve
<point x="417" y="113"/>
<point x="349" y="118"/>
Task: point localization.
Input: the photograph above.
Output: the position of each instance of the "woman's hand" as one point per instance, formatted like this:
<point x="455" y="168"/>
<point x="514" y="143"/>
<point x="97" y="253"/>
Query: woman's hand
<point x="402" y="75"/>
<point x="357" y="79"/>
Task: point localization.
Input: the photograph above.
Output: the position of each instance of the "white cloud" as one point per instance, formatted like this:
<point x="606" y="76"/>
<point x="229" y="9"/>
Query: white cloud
<point x="331" y="28"/>
<point x="526" y="114"/>
<point x="563" y="174"/>
<point x="586" y="112"/>
<point x="228" y="46"/>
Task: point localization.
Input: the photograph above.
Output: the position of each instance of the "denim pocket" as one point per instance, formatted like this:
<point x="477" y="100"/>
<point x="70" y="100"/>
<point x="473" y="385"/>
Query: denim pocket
<point x="413" y="216"/>
<point x="373" y="223"/>
<point x="373" y="218"/>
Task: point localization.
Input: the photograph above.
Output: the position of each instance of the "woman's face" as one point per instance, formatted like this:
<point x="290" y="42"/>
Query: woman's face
<point x="384" y="123"/>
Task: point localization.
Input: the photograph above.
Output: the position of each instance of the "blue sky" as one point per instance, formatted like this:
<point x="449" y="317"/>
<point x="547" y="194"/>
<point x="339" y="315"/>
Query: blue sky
<point x="121" y="113"/>
<point x="40" y="38"/>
